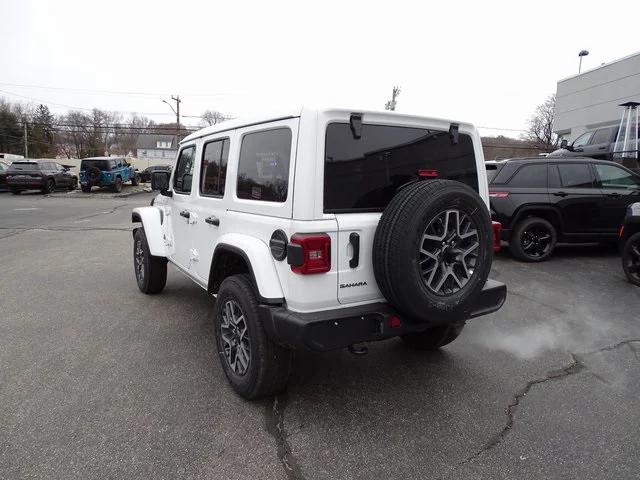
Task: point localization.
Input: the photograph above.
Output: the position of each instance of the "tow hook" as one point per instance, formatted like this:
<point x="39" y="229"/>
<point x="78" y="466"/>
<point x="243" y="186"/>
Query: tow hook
<point x="362" y="350"/>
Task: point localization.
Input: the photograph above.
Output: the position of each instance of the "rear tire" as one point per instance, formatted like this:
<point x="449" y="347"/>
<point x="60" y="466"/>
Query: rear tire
<point x="150" y="271"/>
<point x="49" y="186"/>
<point x="74" y="184"/>
<point x="631" y="259"/>
<point x="117" y="185"/>
<point x="433" y="338"/>
<point x="533" y="240"/>
<point x="254" y="365"/>
<point x="15" y="191"/>
<point x="86" y="189"/>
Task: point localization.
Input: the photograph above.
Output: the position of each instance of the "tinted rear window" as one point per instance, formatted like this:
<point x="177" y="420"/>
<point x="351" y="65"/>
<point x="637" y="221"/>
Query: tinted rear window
<point x="492" y="170"/>
<point x="576" y="175"/>
<point x="530" y="176"/>
<point x="364" y="174"/>
<point x="101" y="164"/>
<point x="24" y="166"/>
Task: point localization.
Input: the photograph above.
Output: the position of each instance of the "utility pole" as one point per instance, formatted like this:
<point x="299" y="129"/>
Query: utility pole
<point x="26" y="140"/>
<point x="177" y="112"/>
<point x="391" y="104"/>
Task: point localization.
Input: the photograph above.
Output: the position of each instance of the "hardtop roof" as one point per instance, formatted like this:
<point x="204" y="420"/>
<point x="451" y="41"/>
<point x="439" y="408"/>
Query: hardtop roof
<point x="297" y="112"/>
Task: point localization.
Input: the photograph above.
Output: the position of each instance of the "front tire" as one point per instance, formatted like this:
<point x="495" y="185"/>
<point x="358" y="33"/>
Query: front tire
<point x="117" y="185"/>
<point x="15" y="191"/>
<point x="150" y="271"/>
<point x="86" y="188"/>
<point x="433" y="338"/>
<point x="533" y="240"/>
<point x="631" y="259"/>
<point x="74" y="184"/>
<point x="135" y="180"/>
<point x="254" y="365"/>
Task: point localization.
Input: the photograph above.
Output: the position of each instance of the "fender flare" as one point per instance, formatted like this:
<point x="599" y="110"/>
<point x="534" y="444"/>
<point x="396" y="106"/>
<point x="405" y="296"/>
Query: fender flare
<point x="522" y="211"/>
<point x="151" y="219"/>
<point x="260" y="262"/>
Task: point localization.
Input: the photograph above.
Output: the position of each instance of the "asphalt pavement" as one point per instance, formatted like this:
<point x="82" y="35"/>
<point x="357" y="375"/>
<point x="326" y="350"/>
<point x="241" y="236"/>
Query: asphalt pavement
<point x="100" y="381"/>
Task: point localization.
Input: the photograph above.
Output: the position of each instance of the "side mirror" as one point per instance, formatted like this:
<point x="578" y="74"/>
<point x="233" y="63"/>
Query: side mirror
<point x="564" y="144"/>
<point x="160" y="181"/>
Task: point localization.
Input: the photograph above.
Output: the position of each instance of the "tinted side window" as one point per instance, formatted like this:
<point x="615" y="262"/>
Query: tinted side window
<point x="615" y="178"/>
<point x="184" y="170"/>
<point x="554" y="177"/>
<point x="582" y="140"/>
<point x="363" y="174"/>
<point x="530" y="176"/>
<point x="601" y="136"/>
<point x="263" y="168"/>
<point x="576" y="175"/>
<point x="213" y="170"/>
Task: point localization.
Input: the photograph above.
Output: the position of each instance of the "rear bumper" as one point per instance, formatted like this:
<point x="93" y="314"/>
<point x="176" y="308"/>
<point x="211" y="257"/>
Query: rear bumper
<point x="25" y="183"/>
<point x="334" y="329"/>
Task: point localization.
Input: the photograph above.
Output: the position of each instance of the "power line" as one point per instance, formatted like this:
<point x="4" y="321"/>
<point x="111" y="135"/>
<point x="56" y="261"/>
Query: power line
<point x="47" y="102"/>
<point x="109" y="126"/>
<point x="107" y="92"/>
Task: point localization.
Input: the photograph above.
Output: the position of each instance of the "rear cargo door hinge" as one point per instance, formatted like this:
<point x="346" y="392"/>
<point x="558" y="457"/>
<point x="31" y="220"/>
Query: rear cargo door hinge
<point x="453" y="133"/>
<point x="355" y="122"/>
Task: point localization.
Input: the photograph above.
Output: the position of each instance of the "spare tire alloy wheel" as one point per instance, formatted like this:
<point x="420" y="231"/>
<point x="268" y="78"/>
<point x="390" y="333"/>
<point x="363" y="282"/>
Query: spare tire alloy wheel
<point x="94" y="175"/>
<point x="234" y="335"/>
<point x="432" y="251"/>
<point x="449" y="252"/>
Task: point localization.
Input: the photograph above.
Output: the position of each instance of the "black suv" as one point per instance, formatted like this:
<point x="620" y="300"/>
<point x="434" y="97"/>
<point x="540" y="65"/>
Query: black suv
<point x="541" y="201"/>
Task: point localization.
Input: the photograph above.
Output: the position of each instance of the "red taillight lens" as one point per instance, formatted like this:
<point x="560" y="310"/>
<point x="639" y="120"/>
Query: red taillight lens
<point x="424" y="173"/>
<point x="497" y="234"/>
<point x="498" y="194"/>
<point x="316" y="251"/>
<point x="621" y="232"/>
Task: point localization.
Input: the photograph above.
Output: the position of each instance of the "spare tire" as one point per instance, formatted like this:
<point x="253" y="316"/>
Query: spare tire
<point x="93" y="174"/>
<point x="432" y="250"/>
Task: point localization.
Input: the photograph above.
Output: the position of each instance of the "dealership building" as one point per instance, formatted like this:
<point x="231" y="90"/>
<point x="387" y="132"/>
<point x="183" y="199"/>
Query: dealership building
<point x="592" y="99"/>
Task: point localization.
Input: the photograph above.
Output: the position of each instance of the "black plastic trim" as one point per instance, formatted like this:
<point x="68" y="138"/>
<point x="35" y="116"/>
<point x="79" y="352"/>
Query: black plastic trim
<point x="339" y="328"/>
<point x="233" y="249"/>
<point x="135" y="217"/>
<point x="354" y="240"/>
<point x="295" y="255"/>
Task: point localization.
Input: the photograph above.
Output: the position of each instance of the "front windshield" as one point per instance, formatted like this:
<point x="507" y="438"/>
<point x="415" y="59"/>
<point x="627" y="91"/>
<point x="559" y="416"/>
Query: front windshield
<point x="582" y="139"/>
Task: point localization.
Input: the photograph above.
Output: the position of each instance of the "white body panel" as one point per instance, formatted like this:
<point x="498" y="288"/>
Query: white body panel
<point x="248" y="224"/>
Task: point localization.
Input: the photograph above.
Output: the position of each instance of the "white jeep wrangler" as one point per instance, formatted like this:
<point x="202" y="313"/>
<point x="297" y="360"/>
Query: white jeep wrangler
<point x="324" y="229"/>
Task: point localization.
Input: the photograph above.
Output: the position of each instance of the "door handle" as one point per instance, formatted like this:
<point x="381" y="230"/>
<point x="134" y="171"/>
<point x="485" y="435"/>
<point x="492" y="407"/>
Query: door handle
<point x="185" y="213"/>
<point x="560" y="194"/>
<point x="613" y="195"/>
<point x="215" y="221"/>
<point x="354" y="240"/>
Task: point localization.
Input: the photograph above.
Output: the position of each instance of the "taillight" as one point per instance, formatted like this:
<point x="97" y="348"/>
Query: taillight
<point x="498" y="194"/>
<point x="424" y="173"/>
<point x="621" y="232"/>
<point x="497" y="234"/>
<point x="316" y="253"/>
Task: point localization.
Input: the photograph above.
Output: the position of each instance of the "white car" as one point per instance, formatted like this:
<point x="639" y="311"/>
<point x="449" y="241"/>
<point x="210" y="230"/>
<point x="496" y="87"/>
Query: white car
<point x="324" y="229"/>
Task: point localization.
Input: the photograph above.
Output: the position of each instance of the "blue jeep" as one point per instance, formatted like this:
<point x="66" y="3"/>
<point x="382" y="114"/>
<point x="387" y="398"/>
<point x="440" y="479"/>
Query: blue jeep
<point x="106" y="172"/>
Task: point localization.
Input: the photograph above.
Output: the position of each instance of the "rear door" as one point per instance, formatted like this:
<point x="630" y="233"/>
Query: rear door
<point x="620" y="188"/>
<point x="363" y="174"/>
<point x="577" y="197"/>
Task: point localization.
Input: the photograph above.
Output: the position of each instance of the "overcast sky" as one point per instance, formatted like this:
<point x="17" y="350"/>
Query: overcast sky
<point x="487" y="62"/>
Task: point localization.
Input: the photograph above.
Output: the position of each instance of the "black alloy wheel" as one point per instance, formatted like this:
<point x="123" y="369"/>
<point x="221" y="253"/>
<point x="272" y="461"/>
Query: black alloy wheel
<point x="631" y="259"/>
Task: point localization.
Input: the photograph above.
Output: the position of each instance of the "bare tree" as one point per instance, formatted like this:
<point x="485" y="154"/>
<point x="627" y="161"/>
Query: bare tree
<point x="212" y="117"/>
<point x="540" y="130"/>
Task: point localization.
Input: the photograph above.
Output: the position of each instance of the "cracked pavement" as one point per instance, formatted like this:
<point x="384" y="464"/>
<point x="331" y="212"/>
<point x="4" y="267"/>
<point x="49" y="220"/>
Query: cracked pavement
<point x="100" y="381"/>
